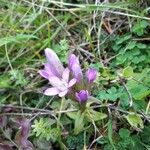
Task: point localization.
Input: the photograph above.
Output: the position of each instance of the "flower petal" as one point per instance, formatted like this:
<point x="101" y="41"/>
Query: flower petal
<point x="49" y="69"/>
<point x="54" y="61"/>
<point x="78" y="97"/>
<point x="61" y="94"/>
<point x="72" y="60"/>
<point x="72" y="82"/>
<point x="75" y="68"/>
<point x="55" y="81"/>
<point x="51" y="91"/>
<point x="65" y="75"/>
<point x="44" y="73"/>
<point x="77" y="72"/>
<point x="82" y="96"/>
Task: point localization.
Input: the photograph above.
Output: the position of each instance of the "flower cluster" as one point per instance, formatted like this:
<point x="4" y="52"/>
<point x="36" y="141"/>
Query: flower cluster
<point x="67" y="81"/>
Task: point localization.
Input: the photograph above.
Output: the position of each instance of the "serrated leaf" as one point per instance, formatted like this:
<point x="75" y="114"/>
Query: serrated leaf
<point x="121" y="59"/>
<point x="131" y="45"/>
<point x="135" y="120"/>
<point x="141" y="46"/>
<point x="122" y="39"/>
<point x="128" y="72"/>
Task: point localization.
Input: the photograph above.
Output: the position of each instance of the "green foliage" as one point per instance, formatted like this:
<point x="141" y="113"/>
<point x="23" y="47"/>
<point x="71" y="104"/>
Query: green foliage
<point x="93" y="116"/>
<point x="130" y="53"/>
<point x="5" y="81"/>
<point x="43" y="129"/>
<point x="61" y="49"/>
<point x="135" y="120"/>
<point x="18" y="77"/>
<point x="112" y="94"/>
<point x="75" y="142"/>
<point x="117" y="47"/>
<point x="79" y="122"/>
<point x="123" y="141"/>
<point x="138" y="91"/>
<point x="15" y="39"/>
<point x="126" y="141"/>
<point x="82" y="118"/>
<point x="128" y="72"/>
<point x="139" y="28"/>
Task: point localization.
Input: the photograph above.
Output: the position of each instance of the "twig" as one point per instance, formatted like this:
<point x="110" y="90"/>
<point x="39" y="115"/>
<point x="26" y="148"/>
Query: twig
<point x="42" y="109"/>
<point x="52" y="113"/>
<point x="128" y="92"/>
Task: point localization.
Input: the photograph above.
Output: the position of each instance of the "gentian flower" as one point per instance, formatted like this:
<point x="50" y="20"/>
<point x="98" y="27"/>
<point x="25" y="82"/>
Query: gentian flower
<point x="59" y="77"/>
<point x="82" y="96"/>
<point x="53" y="67"/>
<point x="91" y="75"/>
<point x="60" y="86"/>
<point x="75" y="68"/>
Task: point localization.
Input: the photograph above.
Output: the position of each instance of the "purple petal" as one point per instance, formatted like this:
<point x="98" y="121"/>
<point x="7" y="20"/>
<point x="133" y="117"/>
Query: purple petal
<point x="55" y="81"/>
<point x="51" y="91"/>
<point x="65" y="75"/>
<point x="44" y="73"/>
<point x="50" y="69"/>
<point x="72" y="82"/>
<point x="54" y="61"/>
<point x="82" y="96"/>
<point x="72" y="60"/>
<point x="75" y="68"/>
<point x="91" y="74"/>
<point x="77" y="72"/>
<point x="61" y="94"/>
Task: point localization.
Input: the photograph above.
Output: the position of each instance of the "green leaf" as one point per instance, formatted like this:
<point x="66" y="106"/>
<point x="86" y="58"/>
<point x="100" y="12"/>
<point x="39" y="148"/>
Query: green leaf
<point x="141" y="46"/>
<point x="122" y="39"/>
<point x="124" y="133"/>
<point x="137" y="90"/>
<point x="72" y="115"/>
<point x="92" y="115"/>
<point x="5" y="81"/>
<point x="144" y="23"/>
<point x="131" y="45"/>
<point x="145" y="134"/>
<point x="79" y="122"/>
<point x="128" y="72"/>
<point x="121" y="59"/>
<point x="139" y="27"/>
<point x="135" y="120"/>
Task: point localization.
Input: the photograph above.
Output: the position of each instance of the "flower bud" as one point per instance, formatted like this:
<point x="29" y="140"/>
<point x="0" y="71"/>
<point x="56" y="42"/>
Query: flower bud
<point x="82" y="96"/>
<point x="91" y="74"/>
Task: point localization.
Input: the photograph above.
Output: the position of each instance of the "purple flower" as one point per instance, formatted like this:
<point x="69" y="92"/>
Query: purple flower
<point x="91" y="74"/>
<point x="53" y="67"/>
<point x="60" y="86"/>
<point x="82" y="96"/>
<point x="23" y="134"/>
<point x="75" y="68"/>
